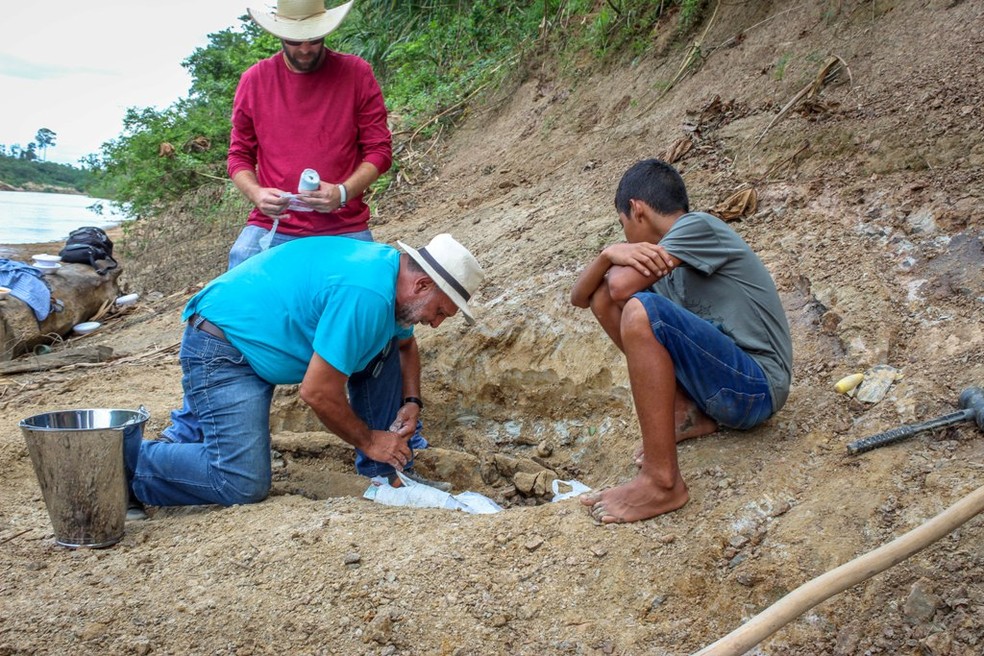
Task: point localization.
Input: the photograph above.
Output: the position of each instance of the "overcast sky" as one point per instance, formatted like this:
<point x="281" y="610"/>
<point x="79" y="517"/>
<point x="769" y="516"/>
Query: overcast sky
<point x="75" y="66"/>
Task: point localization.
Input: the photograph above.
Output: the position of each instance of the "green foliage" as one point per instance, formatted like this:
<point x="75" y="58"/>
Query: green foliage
<point x="780" y="67"/>
<point x="430" y="56"/>
<point x="21" y="172"/>
<point x="163" y="154"/>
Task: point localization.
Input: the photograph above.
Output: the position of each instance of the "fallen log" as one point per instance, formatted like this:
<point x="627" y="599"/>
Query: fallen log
<point x="82" y="293"/>
<point x="58" y="359"/>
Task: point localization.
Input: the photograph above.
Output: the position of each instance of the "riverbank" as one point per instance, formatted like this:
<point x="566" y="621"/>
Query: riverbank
<point x="41" y="188"/>
<point x="873" y="232"/>
<point x="24" y="252"/>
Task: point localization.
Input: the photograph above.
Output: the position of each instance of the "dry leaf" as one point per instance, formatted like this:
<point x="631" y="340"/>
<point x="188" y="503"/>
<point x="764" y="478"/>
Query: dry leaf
<point x="679" y="148"/>
<point x="737" y="205"/>
<point x="102" y="311"/>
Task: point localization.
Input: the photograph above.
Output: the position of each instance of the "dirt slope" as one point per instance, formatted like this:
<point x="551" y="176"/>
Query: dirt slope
<point x="870" y="218"/>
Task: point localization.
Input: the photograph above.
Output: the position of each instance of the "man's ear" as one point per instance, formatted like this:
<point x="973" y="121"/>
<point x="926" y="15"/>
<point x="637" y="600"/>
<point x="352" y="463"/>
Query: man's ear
<point x="423" y="284"/>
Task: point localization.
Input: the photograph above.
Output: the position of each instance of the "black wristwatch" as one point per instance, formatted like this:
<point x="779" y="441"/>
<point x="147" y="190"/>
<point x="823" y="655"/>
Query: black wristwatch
<point x="413" y="399"/>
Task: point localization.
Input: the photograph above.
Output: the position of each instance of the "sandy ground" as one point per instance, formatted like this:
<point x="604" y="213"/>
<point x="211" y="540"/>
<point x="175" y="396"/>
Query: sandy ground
<point x="870" y="218"/>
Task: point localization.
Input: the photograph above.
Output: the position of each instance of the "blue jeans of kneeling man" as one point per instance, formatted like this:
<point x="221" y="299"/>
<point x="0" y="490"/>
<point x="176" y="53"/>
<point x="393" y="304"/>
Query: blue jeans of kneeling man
<point x="217" y="449"/>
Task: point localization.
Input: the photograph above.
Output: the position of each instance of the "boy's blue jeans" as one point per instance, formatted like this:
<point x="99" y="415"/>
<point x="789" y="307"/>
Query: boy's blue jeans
<point x="217" y="448"/>
<point x="726" y="383"/>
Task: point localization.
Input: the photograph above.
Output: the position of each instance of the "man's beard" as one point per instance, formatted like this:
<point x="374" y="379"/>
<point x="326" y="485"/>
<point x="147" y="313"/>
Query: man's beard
<point x="409" y="313"/>
<point x="302" y="67"/>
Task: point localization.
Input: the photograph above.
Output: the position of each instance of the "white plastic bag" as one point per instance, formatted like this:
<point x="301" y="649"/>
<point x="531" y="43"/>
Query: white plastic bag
<point x="577" y="488"/>
<point x="418" y="495"/>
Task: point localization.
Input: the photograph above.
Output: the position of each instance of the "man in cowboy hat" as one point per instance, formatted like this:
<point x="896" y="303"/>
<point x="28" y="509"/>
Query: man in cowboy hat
<point x="306" y="107"/>
<point x="314" y="311"/>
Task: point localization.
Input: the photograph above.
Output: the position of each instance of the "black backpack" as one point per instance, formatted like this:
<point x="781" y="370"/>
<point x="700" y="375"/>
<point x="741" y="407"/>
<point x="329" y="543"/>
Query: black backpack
<point x="89" y="245"/>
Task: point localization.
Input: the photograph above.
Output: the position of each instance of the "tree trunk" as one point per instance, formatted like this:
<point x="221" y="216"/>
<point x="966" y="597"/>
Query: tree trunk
<point x="83" y="293"/>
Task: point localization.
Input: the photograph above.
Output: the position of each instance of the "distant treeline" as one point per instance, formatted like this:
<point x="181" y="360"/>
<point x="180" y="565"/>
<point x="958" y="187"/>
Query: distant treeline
<point x="43" y="176"/>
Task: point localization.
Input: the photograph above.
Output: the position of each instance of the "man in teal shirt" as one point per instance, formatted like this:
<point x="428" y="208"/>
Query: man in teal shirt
<point x="312" y="311"/>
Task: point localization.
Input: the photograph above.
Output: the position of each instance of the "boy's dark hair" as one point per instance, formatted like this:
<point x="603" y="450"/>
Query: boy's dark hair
<point x="655" y="183"/>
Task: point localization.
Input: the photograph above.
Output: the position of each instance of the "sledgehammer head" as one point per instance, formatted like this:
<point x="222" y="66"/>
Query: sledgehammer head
<point x="972" y="398"/>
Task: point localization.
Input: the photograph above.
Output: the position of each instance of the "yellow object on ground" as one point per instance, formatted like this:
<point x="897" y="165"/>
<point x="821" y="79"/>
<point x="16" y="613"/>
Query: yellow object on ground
<point x="848" y="383"/>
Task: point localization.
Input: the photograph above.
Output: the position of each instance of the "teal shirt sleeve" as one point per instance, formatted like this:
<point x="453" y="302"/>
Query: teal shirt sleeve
<point x="354" y="327"/>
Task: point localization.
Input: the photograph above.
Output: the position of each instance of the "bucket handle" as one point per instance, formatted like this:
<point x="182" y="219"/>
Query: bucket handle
<point x="142" y="410"/>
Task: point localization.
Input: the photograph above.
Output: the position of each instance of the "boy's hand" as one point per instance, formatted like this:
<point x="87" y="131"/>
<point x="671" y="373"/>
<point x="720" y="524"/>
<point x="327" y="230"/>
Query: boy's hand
<point x="646" y="258"/>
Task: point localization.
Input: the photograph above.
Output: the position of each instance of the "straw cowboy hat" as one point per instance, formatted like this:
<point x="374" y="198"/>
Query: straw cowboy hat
<point x="299" y="20"/>
<point x="452" y="267"/>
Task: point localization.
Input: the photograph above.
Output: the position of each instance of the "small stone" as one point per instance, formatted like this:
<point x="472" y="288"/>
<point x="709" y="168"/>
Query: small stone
<point x="921" y="604"/>
<point x="525" y="482"/>
<point x="781" y="508"/>
<point x="669" y="538"/>
<point x="599" y="551"/>
<point x="352" y="558"/>
<point x="498" y="620"/>
<point x="544" y="449"/>
<point x="938" y="644"/>
<point x="534" y="543"/>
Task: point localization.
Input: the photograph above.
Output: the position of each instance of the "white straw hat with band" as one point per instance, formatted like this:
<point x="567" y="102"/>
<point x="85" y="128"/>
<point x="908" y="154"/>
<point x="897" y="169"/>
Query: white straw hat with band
<point x="452" y="267"/>
<point x="299" y="20"/>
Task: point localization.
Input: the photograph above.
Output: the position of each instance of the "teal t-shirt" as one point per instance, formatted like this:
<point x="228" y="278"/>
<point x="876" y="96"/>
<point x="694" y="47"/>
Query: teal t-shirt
<point x="333" y="296"/>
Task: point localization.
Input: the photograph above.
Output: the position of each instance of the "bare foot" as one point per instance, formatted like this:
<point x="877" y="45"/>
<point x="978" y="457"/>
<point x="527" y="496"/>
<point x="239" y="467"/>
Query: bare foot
<point x="690" y="423"/>
<point x="640" y="498"/>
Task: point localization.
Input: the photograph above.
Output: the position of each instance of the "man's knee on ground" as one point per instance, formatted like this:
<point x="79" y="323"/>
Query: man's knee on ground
<point x="246" y="489"/>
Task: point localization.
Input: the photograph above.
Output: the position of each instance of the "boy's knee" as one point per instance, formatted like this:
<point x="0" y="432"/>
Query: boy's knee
<point x="634" y="318"/>
<point x="601" y="300"/>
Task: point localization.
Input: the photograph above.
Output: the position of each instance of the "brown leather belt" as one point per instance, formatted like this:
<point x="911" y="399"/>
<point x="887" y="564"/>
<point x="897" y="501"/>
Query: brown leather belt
<point x="206" y="326"/>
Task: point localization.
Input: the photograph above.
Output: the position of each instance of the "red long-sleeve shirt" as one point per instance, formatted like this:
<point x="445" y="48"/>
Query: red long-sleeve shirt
<point x="330" y="120"/>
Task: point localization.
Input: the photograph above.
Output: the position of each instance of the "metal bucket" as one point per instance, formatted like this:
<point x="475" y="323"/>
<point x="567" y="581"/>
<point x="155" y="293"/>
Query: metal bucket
<point x="78" y="458"/>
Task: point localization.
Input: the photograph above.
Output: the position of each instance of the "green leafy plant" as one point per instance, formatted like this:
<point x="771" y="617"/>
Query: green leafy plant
<point x="779" y="70"/>
<point x="432" y="57"/>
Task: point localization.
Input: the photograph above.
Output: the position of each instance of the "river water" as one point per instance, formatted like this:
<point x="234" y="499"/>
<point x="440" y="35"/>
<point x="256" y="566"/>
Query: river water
<point x="29" y="218"/>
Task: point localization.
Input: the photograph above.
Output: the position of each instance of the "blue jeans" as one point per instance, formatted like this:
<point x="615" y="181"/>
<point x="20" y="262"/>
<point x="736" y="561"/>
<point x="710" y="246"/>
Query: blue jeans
<point x="726" y="383"/>
<point x="223" y="455"/>
<point x="247" y="244"/>
<point x="217" y="448"/>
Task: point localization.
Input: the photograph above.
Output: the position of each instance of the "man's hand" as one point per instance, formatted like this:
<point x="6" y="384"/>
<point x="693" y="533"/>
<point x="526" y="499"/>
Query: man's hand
<point x="326" y="198"/>
<point x="270" y="202"/>
<point x="405" y="423"/>
<point x="388" y="447"/>
<point x="646" y="258"/>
